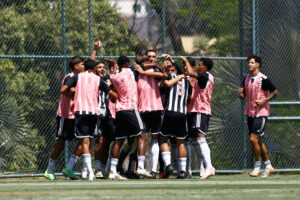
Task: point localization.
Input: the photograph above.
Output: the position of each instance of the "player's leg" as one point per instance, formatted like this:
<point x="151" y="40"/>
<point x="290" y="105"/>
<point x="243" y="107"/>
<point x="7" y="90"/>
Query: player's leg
<point x="166" y="156"/>
<point x="113" y="174"/>
<point x="154" y="154"/>
<point x="182" y="158"/>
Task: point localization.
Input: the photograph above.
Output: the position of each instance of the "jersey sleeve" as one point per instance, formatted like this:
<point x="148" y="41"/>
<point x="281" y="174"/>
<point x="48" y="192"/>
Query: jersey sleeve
<point x="104" y="87"/>
<point x="243" y="82"/>
<point x="169" y="76"/>
<point x="267" y="85"/>
<point x="71" y="81"/>
<point x="202" y="79"/>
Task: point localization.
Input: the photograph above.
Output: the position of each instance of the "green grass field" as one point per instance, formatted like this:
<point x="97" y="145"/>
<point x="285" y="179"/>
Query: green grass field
<point x="217" y="187"/>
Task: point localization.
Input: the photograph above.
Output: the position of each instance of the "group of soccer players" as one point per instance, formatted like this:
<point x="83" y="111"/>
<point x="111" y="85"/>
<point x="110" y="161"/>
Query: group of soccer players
<point x="145" y="98"/>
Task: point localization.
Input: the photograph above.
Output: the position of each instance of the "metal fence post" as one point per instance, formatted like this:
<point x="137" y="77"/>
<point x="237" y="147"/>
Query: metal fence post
<point x="163" y="11"/>
<point x="90" y="28"/>
<point x="65" y="65"/>
<point x="242" y="71"/>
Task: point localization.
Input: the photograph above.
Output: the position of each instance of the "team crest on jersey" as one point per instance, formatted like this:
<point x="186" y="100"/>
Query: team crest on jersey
<point x="180" y="89"/>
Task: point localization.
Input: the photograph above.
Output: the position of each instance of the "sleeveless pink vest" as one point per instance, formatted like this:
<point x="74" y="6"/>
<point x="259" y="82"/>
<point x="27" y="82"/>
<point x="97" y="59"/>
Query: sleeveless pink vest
<point x="66" y="104"/>
<point x="87" y="93"/>
<point x="126" y="88"/>
<point x="201" y="98"/>
<point x="254" y="92"/>
<point x="148" y="93"/>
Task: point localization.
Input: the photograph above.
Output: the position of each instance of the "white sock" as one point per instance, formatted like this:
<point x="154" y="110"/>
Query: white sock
<point x="268" y="164"/>
<point x="97" y="165"/>
<point x="205" y="152"/>
<point x="113" y="165"/>
<point x="182" y="164"/>
<point x="166" y="156"/>
<point x="257" y="165"/>
<point x="51" y="165"/>
<point x="72" y="161"/>
<point x="189" y="157"/>
<point x="155" y="155"/>
<point x="87" y="159"/>
<point x="141" y="162"/>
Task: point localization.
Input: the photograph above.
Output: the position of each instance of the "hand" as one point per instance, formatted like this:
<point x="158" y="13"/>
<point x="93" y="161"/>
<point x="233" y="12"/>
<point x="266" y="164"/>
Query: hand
<point x="97" y="44"/>
<point x="184" y="58"/>
<point x="139" y="69"/>
<point x="182" y="76"/>
<point x="241" y="93"/>
<point x="167" y="57"/>
<point x="260" y="102"/>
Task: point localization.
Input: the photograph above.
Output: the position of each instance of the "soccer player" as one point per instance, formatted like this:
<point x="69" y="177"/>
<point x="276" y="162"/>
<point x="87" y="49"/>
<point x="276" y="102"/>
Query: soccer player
<point x="65" y="119"/>
<point x="87" y="86"/>
<point x="150" y="104"/>
<point x="174" y="121"/>
<point x="105" y="130"/>
<point x="128" y="120"/>
<point x="199" y="109"/>
<point x="258" y="91"/>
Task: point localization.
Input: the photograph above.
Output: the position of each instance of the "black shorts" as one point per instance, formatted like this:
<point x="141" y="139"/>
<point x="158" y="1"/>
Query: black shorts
<point x="85" y="125"/>
<point x="257" y="125"/>
<point x="65" y="128"/>
<point x="174" y="125"/>
<point x="197" y="123"/>
<point x="105" y="128"/>
<point x="152" y="121"/>
<point x="128" y="124"/>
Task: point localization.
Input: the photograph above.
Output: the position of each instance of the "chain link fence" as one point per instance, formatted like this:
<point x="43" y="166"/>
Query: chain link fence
<point x="38" y="37"/>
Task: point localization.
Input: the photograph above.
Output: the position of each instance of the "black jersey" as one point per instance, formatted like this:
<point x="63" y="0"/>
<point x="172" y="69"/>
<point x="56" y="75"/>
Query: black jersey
<point x="177" y="95"/>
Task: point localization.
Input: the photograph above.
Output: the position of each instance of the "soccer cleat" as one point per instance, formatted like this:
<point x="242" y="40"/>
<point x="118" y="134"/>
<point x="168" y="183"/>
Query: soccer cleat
<point x="50" y="176"/>
<point x="91" y="176"/>
<point x="153" y="174"/>
<point x="116" y="175"/>
<point x="267" y="172"/>
<point x="168" y="171"/>
<point x="131" y="175"/>
<point x="84" y="173"/>
<point x="69" y="173"/>
<point x="99" y="175"/>
<point x="181" y="175"/>
<point x="255" y="173"/>
<point x="188" y="174"/>
<point x="208" y="173"/>
<point x="142" y="173"/>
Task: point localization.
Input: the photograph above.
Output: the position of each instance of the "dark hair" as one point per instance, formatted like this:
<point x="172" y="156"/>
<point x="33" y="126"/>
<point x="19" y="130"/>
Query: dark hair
<point x="207" y="62"/>
<point x="99" y="62"/>
<point x="256" y="58"/>
<point x="150" y="50"/>
<point x="74" y="61"/>
<point x="89" y="64"/>
<point x="191" y="61"/>
<point x="122" y="60"/>
<point x="141" y="58"/>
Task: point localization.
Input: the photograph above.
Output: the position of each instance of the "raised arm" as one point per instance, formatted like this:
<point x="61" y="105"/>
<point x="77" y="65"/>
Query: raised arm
<point x="97" y="45"/>
<point x="189" y="69"/>
<point x="171" y="82"/>
<point x="113" y="62"/>
<point x="159" y="75"/>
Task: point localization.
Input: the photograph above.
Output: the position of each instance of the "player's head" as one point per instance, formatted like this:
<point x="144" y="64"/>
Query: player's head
<point x="123" y="61"/>
<point x="205" y="64"/>
<point x="76" y="64"/>
<point x="167" y="64"/>
<point x="90" y="64"/>
<point x="255" y="58"/>
<point x="254" y="62"/>
<point x="139" y="59"/>
<point x="169" y="67"/>
<point x="191" y="61"/>
<point x="100" y="69"/>
<point x="152" y="55"/>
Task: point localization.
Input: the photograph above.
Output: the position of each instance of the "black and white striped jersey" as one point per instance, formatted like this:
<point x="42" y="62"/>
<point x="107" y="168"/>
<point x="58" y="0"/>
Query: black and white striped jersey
<point x="177" y="95"/>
